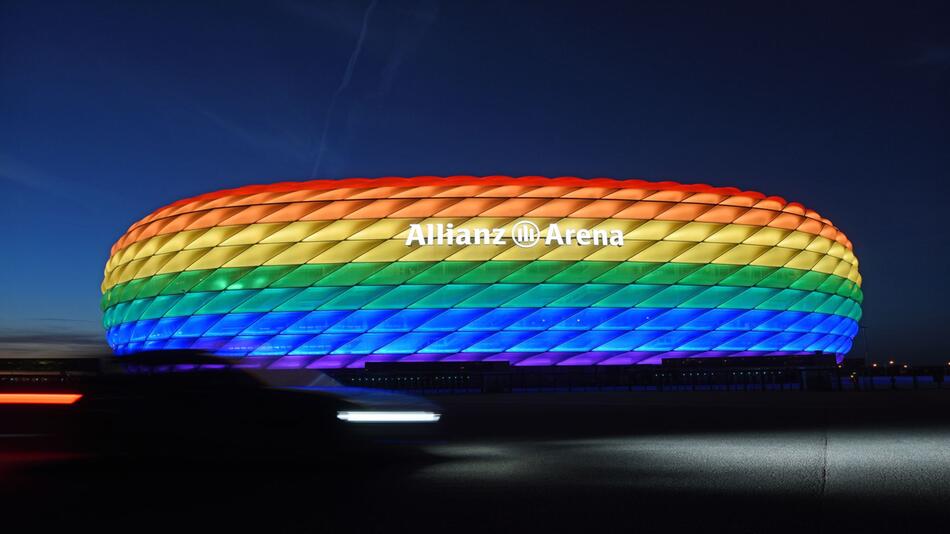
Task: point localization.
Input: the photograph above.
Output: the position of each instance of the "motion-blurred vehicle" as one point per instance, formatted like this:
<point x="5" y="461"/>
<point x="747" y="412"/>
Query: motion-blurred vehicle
<point x="189" y="403"/>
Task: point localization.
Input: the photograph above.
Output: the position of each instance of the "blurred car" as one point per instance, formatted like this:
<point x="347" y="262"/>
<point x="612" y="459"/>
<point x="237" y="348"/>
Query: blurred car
<point x="189" y="403"/>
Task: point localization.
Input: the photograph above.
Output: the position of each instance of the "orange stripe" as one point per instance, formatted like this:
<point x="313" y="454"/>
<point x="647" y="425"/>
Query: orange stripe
<point x="339" y="189"/>
<point x="387" y="196"/>
<point x="485" y="207"/>
<point x="39" y="398"/>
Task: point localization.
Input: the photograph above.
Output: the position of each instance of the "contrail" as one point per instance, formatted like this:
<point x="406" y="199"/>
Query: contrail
<point x="344" y="83"/>
<point x="406" y="42"/>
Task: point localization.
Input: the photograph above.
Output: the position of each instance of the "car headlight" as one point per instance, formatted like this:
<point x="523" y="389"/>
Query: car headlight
<point x="387" y="417"/>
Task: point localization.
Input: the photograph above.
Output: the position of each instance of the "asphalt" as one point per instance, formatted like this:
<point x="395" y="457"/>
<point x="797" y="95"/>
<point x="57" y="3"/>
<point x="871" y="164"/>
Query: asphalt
<point x="555" y="462"/>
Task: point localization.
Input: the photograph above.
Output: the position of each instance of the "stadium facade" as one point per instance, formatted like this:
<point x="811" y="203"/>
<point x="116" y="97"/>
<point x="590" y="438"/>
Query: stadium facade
<point x="530" y="270"/>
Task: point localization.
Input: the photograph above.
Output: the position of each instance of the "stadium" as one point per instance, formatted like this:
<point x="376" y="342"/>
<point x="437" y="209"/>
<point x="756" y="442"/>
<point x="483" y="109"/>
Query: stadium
<point x="527" y="270"/>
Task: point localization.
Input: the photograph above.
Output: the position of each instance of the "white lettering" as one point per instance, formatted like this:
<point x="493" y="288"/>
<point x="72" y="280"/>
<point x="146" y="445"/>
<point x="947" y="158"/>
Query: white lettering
<point x="554" y="236"/>
<point x="482" y="236"/>
<point x="499" y="236"/>
<point x="616" y="238"/>
<point x="415" y="234"/>
<point x="583" y="237"/>
<point x="448" y="234"/>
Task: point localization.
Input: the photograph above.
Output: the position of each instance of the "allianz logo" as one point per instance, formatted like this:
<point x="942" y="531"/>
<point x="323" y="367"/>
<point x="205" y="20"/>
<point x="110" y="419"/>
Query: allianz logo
<point x="524" y="234"/>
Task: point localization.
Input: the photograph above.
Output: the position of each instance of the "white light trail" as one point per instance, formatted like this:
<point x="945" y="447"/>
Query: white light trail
<point x="388" y="417"/>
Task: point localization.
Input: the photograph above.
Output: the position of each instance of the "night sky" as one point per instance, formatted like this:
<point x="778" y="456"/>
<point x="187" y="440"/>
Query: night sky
<point x="109" y="110"/>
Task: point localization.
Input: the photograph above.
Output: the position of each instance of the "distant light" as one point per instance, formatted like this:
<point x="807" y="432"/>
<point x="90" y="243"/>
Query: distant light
<point x="875" y="365"/>
<point x="39" y="398"/>
<point x="388" y="417"/>
<point x="890" y="362"/>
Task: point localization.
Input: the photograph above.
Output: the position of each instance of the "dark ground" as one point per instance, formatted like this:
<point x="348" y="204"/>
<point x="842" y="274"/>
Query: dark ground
<point x="582" y="462"/>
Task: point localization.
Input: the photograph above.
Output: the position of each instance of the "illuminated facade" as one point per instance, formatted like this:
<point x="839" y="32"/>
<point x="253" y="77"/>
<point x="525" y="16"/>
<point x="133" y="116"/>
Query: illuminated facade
<point x="532" y="270"/>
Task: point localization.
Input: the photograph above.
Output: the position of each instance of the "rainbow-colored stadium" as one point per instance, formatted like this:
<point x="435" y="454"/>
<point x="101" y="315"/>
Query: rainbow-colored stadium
<point x="328" y="274"/>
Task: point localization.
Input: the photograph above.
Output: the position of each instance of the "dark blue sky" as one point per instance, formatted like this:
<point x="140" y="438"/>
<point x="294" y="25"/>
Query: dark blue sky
<point x="109" y="110"/>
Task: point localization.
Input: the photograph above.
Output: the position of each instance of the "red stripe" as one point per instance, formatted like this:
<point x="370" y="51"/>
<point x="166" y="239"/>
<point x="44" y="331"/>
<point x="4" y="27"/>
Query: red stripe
<point x="393" y="181"/>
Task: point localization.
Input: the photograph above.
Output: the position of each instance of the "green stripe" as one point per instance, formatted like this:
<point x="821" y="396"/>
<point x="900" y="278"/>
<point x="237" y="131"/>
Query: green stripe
<point x="489" y="272"/>
<point x="480" y="296"/>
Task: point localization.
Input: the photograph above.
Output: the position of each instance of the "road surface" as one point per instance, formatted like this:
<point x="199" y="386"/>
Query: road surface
<point x="631" y="462"/>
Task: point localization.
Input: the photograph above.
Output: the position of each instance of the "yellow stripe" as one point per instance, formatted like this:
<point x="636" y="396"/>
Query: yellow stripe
<point x="395" y="250"/>
<point x="373" y="229"/>
<point x="366" y="241"/>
